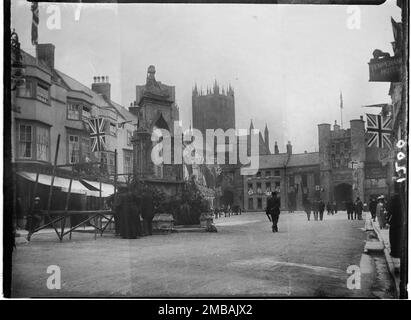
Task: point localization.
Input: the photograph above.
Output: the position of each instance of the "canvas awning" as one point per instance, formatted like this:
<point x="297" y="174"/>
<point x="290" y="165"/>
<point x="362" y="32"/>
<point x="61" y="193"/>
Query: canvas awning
<point x="106" y="188"/>
<point x="89" y="188"/>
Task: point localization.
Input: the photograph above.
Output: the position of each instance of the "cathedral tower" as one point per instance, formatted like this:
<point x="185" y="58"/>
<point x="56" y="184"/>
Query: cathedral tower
<point x="213" y="110"/>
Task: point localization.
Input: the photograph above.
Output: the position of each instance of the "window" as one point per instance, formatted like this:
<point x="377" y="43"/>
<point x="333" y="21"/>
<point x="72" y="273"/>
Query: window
<point x="129" y="136"/>
<point x="259" y="203"/>
<point x="85" y="149"/>
<point x="277" y="173"/>
<point x="42" y="143"/>
<point x="26" y="90"/>
<point x="277" y="184"/>
<point x="73" y="149"/>
<point x="42" y="93"/>
<point x="258" y="174"/>
<point x="259" y="187"/>
<point x="268" y="173"/>
<point x="111" y="162"/>
<point x="250" y="203"/>
<point x="113" y="129"/>
<point x="128" y="161"/>
<point x="25" y="141"/>
<point x="73" y="111"/>
<point x="107" y="158"/>
<point x="86" y="112"/>
<point x="158" y="171"/>
<point x="250" y="188"/>
<point x="268" y="186"/>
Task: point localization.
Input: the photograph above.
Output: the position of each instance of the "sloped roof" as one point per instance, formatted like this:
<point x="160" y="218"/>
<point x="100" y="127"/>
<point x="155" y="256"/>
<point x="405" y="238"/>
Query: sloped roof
<point x="127" y="115"/>
<point x="304" y="159"/>
<point x="273" y="160"/>
<point x="296" y="160"/>
<point x="75" y="85"/>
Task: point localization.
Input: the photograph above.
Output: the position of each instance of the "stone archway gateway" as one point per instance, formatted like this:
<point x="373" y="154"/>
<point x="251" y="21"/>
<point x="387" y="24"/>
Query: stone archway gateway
<point x="342" y="194"/>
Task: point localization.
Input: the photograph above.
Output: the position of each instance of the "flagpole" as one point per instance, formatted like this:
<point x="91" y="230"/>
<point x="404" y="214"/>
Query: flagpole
<point x="341" y="110"/>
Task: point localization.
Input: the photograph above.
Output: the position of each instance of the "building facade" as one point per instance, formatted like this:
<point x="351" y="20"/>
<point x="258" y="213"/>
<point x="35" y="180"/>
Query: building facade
<point x="295" y="178"/>
<point x="51" y="104"/>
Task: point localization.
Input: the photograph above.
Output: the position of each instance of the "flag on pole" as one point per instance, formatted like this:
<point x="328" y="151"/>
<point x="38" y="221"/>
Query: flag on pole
<point x="97" y="134"/>
<point x="379" y="130"/>
<point x="341" y="100"/>
<point x="35" y="23"/>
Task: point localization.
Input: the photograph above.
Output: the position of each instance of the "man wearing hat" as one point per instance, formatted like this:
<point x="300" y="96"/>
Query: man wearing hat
<point x="359" y="207"/>
<point x="373" y="207"/>
<point x="273" y="210"/>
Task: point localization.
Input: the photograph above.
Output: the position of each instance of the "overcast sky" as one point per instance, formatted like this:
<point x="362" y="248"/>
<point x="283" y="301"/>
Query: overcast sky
<point x="287" y="64"/>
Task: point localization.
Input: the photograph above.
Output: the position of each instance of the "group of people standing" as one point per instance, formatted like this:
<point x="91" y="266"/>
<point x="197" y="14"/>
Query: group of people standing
<point x="354" y="209"/>
<point x="317" y="207"/>
<point x="133" y="214"/>
<point x="378" y="210"/>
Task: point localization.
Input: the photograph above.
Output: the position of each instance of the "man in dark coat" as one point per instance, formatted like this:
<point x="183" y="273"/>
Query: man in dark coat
<point x="273" y="210"/>
<point x="128" y="212"/>
<point x="358" y="208"/>
<point x="373" y="208"/>
<point x="147" y="212"/>
<point x="321" y="208"/>
<point x="307" y="208"/>
<point x="350" y="209"/>
<point x="316" y="209"/>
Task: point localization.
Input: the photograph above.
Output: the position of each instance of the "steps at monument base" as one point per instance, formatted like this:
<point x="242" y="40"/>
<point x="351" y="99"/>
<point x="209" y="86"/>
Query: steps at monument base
<point x="189" y="228"/>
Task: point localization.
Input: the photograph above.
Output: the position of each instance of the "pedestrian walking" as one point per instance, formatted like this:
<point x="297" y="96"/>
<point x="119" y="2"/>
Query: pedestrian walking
<point x="316" y="209"/>
<point x="321" y="208"/>
<point x="273" y="210"/>
<point x="307" y="208"/>
<point x="373" y="207"/>
<point x="380" y="212"/>
<point x="334" y="207"/>
<point x="358" y="208"/>
<point x="329" y="208"/>
<point x="350" y="209"/>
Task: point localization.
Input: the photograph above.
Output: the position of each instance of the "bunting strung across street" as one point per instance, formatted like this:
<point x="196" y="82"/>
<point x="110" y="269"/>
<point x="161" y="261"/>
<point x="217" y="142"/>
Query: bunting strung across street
<point x="379" y="131"/>
<point x="35" y="23"/>
<point x="97" y="134"/>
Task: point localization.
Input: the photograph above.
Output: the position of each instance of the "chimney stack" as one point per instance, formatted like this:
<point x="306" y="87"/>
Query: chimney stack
<point x="102" y="86"/>
<point x="276" y="151"/>
<point x="289" y="148"/>
<point x="45" y="53"/>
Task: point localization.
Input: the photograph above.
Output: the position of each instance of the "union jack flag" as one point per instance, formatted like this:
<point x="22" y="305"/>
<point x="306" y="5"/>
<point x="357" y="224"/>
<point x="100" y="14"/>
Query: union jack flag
<point x="379" y="131"/>
<point x="97" y="134"/>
